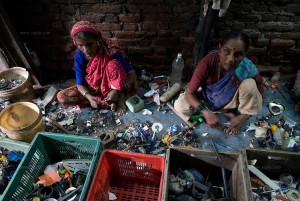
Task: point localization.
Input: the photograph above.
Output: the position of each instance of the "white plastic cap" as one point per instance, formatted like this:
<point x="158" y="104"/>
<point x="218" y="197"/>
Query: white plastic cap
<point x="179" y="55"/>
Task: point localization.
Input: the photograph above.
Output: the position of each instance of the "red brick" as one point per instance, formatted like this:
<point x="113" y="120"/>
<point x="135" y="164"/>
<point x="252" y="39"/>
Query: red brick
<point x="69" y="47"/>
<point x="262" y="42"/>
<point x="257" y="51"/>
<point x="61" y="39"/>
<point x="248" y="17"/>
<point x="155" y="26"/>
<point x="67" y="18"/>
<point x="61" y="1"/>
<point x="108" y="26"/>
<point x="90" y="18"/>
<point x="131" y="42"/>
<point x="190" y="9"/>
<point x="55" y="9"/>
<point x="277" y="58"/>
<point x="191" y="33"/>
<point x="111" y="9"/>
<point x="187" y="40"/>
<point x="269" y="17"/>
<point x="188" y="63"/>
<point x="153" y="9"/>
<point x="129" y="18"/>
<point x="69" y="10"/>
<point x="281" y="18"/>
<point x="291" y="35"/>
<point x="149" y="34"/>
<point x="272" y="35"/>
<point x="84" y="1"/>
<point x="143" y="1"/>
<point x="126" y="34"/>
<point x="259" y="8"/>
<point x="106" y="34"/>
<point x="228" y="17"/>
<point x="295" y="19"/>
<point x="111" y="19"/>
<point x="236" y="8"/>
<point x="183" y="19"/>
<point x="132" y="9"/>
<point x="55" y="16"/>
<point x="252" y="33"/>
<point x="57" y="25"/>
<point x="130" y="27"/>
<point x="157" y="58"/>
<point x="164" y="33"/>
<point x="183" y="26"/>
<point x="275" y="26"/>
<point x="157" y="17"/>
<point x="282" y="43"/>
<point x="160" y="50"/>
<point x="63" y="32"/>
<point x="140" y="50"/>
<point x="188" y="51"/>
<point x="294" y="52"/>
<point x="166" y="41"/>
<point x="238" y="25"/>
<point x="293" y="8"/>
<point x="179" y="33"/>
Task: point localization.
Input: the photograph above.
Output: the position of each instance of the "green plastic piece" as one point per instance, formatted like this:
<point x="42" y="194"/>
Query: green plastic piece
<point x="196" y="117"/>
<point x="135" y="104"/>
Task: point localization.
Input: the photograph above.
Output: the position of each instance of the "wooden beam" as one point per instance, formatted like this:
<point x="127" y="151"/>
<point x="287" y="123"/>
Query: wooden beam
<point x="13" y="46"/>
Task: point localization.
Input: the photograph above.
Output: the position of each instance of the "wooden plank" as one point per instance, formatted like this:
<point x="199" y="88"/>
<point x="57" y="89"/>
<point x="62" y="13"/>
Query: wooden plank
<point x="13" y="47"/>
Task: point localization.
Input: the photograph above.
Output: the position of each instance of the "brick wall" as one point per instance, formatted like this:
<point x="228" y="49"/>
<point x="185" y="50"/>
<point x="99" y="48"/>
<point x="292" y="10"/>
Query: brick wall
<point x="274" y="29"/>
<point x="153" y="31"/>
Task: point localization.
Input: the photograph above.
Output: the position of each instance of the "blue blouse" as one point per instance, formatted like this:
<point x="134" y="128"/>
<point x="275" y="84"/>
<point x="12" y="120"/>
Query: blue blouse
<point x="81" y="62"/>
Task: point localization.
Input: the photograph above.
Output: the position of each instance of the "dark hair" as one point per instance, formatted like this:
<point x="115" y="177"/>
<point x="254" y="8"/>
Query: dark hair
<point x="85" y="34"/>
<point x="236" y="35"/>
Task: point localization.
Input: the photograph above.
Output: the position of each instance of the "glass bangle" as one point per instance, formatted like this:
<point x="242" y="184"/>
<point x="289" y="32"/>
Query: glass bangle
<point x="85" y="93"/>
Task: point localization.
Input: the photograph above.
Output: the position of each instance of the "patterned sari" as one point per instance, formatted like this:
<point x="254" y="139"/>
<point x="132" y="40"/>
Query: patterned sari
<point x="218" y="95"/>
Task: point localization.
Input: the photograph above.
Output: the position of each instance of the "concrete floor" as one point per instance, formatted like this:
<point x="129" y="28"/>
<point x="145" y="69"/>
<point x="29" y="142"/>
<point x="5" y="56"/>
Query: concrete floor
<point x="223" y="140"/>
<point x="204" y="133"/>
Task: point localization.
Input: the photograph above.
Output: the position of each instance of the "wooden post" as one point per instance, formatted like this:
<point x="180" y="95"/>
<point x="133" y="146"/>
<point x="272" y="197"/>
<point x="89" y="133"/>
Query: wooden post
<point x="206" y="24"/>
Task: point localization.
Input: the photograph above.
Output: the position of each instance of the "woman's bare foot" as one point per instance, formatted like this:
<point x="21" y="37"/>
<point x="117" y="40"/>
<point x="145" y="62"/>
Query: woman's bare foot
<point x="121" y="107"/>
<point x="113" y="107"/>
<point x="236" y="123"/>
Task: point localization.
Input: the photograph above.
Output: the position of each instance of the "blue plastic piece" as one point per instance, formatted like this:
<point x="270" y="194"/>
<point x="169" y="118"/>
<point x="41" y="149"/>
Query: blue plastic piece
<point x="14" y="156"/>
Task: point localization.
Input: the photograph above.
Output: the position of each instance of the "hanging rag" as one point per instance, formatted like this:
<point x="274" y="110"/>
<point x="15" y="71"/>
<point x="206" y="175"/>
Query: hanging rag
<point x="221" y="5"/>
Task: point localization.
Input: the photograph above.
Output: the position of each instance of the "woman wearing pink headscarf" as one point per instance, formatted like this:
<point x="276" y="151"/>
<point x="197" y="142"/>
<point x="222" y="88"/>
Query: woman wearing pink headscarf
<point x="102" y="72"/>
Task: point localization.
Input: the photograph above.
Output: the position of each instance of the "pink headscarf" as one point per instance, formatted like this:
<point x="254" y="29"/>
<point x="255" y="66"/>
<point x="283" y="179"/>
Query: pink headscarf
<point x="98" y="70"/>
<point x="87" y="27"/>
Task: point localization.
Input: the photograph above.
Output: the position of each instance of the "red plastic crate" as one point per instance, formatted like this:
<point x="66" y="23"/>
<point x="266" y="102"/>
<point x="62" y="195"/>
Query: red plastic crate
<point x="130" y="176"/>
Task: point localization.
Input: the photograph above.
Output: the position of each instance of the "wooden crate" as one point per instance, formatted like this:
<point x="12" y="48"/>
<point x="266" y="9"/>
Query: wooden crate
<point x="273" y="163"/>
<point x="206" y="162"/>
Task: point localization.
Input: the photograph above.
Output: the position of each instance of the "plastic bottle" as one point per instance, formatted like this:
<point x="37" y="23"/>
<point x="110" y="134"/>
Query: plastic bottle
<point x="177" y="67"/>
<point x="275" y="77"/>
